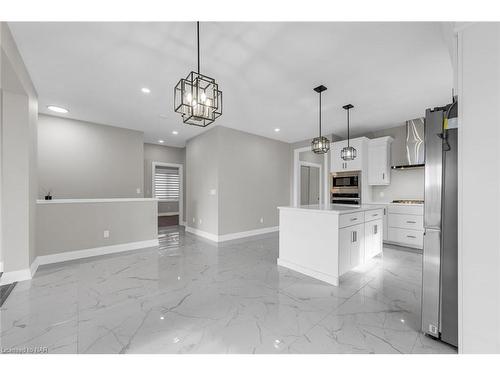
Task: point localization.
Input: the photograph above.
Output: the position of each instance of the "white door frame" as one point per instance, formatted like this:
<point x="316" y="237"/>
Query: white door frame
<point x="296" y="174"/>
<point x="154" y="164"/>
<point x="314" y="165"/>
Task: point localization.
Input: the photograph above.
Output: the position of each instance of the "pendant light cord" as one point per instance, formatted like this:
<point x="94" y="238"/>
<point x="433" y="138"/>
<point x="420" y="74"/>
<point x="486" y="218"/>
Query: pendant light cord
<point x="320" y="114"/>
<point x="198" y="41"/>
<point x="348" y="127"/>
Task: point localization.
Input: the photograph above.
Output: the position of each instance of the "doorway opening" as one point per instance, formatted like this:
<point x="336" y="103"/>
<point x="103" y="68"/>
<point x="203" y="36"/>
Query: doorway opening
<point x="167" y="186"/>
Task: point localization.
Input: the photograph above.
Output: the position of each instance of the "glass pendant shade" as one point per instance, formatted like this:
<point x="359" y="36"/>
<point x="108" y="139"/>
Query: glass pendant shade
<point x="320" y="145"/>
<point x="348" y="153"/>
<point x="197" y="97"/>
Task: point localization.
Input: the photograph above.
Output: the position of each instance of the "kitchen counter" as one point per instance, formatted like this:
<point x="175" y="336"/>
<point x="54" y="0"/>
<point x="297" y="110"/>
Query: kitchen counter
<point x="336" y="209"/>
<point x="326" y="241"/>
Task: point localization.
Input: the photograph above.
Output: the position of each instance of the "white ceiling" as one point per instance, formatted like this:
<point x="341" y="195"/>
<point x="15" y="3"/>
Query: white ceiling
<point x="389" y="71"/>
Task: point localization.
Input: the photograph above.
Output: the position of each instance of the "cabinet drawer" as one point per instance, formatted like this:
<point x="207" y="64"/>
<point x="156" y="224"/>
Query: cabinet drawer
<point x="351" y="219"/>
<point x="408" y="237"/>
<point x="415" y="222"/>
<point x="374" y="214"/>
<point x="406" y="209"/>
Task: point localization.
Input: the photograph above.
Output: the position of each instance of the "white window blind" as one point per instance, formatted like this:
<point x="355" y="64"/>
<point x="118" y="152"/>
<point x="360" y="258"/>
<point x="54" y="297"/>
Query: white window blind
<point x="167" y="184"/>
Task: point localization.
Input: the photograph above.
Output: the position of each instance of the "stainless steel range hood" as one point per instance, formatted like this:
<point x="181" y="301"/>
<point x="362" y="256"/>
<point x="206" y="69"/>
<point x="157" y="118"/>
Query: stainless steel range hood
<point x="415" y="147"/>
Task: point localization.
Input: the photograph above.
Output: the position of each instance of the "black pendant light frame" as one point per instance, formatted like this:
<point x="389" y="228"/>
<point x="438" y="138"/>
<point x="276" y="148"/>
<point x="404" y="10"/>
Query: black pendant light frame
<point x="348" y="153"/>
<point x="197" y="97"/>
<point x="320" y="145"/>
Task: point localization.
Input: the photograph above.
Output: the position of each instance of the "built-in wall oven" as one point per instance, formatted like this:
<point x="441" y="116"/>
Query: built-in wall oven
<point x="346" y="188"/>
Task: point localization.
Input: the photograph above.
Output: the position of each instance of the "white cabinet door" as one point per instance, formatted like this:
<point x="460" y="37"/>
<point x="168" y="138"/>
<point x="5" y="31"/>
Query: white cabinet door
<point x="337" y="164"/>
<point x="357" y="163"/>
<point x="373" y="238"/>
<point x="340" y="165"/>
<point x="379" y="157"/>
<point x="344" y="250"/>
<point x="357" y="245"/>
<point x="351" y="247"/>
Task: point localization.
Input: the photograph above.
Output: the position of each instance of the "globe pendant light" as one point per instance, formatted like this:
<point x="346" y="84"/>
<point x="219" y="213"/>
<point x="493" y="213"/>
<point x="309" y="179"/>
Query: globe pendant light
<point x="197" y="97"/>
<point x="348" y="153"/>
<point x="320" y="145"/>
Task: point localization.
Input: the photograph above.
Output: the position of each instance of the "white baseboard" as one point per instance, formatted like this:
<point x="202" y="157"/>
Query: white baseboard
<point x="34" y="266"/>
<point x="309" y="272"/>
<point x="248" y="233"/>
<point x="167" y="213"/>
<point x="208" y="236"/>
<point x="96" y="251"/>
<point x="13" y="276"/>
<point x="28" y="273"/>
<point x="230" y="236"/>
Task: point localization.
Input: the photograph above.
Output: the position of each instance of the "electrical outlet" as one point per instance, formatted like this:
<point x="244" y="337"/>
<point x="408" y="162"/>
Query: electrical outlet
<point x="199" y="221"/>
<point x="194" y="220"/>
<point x="106" y="234"/>
<point x="433" y="329"/>
<point x="138" y="190"/>
<point x="261" y="220"/>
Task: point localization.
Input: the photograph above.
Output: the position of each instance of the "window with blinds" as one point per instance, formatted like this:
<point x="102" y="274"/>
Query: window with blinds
<point x="167" y="184"/>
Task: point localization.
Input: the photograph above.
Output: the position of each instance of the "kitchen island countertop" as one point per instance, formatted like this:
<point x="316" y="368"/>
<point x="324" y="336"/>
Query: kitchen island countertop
<point x="336" y="209"/>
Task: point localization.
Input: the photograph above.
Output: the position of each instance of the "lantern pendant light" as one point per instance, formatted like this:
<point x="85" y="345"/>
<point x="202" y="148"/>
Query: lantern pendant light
<point x="320" y="145"/>
<point x="197" y="97"/>
<point x="349" y="152"/>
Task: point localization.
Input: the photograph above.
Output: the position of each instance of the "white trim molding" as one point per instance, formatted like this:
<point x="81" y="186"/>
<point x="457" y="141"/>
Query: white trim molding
<point x="168" y="213"/>
<point x="154" y="164"/>
<point x="201" y="233"/>
<point x="96" y="251"/>
<point x="231" y="236"/>
<point x="14" y="276"/>
<point x="1" y="266"/>
<point x="97" y="200"/>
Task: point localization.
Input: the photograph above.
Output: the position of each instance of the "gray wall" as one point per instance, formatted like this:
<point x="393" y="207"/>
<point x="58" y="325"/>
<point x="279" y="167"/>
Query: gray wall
<point x="63" y="227"/>
<point x="254" y="179"/>
<point x="234" y="179"/>
<point x="202" y="162"/>
<point x="405" y="184"/>
<point x="78" y="159"/>
<point x="18" y="187"/>
<point x="164" y="154"/>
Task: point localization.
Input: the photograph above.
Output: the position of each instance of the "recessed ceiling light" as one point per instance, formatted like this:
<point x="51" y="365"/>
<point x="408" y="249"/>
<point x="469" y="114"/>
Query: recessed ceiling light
<point x="145" y="90"/>
<point x="57" y="109"/>
<point x="175" y="132"/>
<point x="277" y="130"/>
<point x="160" y="141"/>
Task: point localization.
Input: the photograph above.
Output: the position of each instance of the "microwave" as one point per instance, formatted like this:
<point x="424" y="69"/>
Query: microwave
<point x="346" y="188"/>
<point x="345" y="180"/>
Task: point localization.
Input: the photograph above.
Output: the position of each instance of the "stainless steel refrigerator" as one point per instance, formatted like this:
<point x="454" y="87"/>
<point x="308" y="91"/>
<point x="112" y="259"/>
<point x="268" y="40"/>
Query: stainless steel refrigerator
<point x="440" y="267"/>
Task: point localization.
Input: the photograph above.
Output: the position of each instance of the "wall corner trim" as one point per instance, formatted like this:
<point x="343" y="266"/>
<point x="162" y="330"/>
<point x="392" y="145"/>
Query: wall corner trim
<point x="231" y="236"/>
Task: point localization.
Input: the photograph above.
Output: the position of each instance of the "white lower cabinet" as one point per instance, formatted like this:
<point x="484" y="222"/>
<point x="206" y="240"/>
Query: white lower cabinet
<point x="351" y="247"/>
<point x="374" y="231"/>
<point x="406" y="225"/>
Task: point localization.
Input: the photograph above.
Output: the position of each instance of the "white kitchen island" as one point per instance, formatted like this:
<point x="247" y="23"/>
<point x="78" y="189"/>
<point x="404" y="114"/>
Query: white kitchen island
<point x="326" y="241"/>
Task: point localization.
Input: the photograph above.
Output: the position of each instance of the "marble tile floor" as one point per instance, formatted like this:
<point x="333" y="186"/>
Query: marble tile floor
<point x="192" y="296"/>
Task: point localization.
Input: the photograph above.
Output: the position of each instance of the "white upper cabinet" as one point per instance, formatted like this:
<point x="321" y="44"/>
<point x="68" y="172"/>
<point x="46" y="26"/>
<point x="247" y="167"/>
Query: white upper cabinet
<point x="379" y="161"/>
<point x="358" y="164"/>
